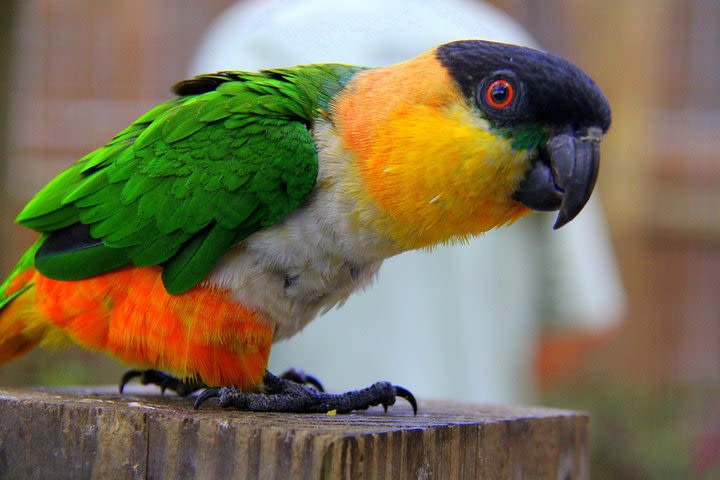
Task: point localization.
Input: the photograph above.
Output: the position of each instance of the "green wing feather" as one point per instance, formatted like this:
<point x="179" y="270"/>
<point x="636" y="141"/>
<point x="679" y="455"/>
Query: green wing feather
<point x="190" y="178"/>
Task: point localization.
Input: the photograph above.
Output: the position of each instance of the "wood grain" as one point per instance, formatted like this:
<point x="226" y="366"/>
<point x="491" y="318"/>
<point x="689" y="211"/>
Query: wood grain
<point x="96" y="434"/>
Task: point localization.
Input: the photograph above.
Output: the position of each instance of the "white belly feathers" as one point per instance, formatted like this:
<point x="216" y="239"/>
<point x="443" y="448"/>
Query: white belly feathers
<point x="311" y="260"/>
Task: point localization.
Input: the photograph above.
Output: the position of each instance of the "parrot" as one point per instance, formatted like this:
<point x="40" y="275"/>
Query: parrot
<point x="232" y="215"/>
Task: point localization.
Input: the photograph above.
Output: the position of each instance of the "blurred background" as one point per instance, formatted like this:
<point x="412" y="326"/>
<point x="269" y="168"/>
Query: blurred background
<point x="73" y="73"/>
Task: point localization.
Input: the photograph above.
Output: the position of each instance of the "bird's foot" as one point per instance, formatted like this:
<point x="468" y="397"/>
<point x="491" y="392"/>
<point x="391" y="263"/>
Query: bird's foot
<point x="283" y="395"/>
<point x="163" y="380"/>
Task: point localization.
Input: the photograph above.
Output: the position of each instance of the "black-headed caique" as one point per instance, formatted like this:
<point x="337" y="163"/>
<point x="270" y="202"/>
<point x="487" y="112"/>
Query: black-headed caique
<point x="234" y="214"/>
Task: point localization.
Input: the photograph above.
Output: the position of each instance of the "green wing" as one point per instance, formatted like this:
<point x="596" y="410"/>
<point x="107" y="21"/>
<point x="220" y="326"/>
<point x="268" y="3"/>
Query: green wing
<point x="189" y="179"/>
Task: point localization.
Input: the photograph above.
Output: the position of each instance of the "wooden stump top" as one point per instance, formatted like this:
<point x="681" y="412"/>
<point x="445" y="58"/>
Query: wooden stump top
<point x="97" y="434"/>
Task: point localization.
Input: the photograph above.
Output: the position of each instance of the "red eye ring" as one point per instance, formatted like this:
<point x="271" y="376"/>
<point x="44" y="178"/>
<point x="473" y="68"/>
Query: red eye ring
<point x="499" y="94"/>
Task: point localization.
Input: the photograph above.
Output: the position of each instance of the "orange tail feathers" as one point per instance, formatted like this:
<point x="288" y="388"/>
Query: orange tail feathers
<point x="199" y="334"/>
<point x="20" y="330"/>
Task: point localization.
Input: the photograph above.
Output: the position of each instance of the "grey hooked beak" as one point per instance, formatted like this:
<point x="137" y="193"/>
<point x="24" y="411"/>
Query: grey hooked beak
<point x="563" y="176"/>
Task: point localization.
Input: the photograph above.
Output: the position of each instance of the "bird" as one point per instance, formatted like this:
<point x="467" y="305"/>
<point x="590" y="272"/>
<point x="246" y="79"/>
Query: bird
<point x="232" y="215"/>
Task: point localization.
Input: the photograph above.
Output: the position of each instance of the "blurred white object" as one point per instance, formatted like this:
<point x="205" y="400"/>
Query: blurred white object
<point x="278" y="33"/>
<point x="460" y="322"/>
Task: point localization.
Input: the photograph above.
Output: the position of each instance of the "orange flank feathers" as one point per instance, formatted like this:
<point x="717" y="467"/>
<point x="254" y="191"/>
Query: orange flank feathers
<point x="431" y="170"/>
<point x="200" y="334"/>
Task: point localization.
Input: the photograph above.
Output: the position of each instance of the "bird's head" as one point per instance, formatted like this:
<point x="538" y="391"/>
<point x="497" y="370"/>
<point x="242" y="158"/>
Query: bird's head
<point x="469" y="136"/>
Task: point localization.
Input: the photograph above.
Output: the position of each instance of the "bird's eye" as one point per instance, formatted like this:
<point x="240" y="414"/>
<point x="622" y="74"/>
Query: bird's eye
<point x="499" y="94"/>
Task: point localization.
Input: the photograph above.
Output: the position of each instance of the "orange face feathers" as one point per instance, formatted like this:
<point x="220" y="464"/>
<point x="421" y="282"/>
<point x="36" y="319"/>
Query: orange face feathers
<point x="375" y="95"/>
<point x="431" y="169"/>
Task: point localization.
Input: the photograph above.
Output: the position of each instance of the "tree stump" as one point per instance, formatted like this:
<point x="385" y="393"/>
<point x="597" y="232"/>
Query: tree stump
<point x="95" y="433"/>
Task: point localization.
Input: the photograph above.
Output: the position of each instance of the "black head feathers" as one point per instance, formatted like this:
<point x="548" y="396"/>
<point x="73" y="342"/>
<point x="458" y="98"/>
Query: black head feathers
<point x="542" y="88"/>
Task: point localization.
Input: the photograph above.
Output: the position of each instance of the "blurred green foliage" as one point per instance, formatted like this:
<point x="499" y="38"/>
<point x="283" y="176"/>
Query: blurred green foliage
<point x="61" y="367"/>
<point x="642" y="431"/>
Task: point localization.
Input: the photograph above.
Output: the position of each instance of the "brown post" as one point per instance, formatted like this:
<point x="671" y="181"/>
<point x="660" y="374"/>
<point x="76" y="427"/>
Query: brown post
<point x="97" y="434"/>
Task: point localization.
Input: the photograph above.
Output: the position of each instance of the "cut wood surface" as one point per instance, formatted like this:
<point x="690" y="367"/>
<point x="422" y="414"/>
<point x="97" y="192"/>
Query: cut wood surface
<point x="95" y="433"/>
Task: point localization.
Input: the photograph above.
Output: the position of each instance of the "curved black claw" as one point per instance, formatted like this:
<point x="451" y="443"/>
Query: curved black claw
<point x="303" y="378"/>
<point x="207" y="394"/>
<point x="127" y="376"/>
<point x="407" y="395"/>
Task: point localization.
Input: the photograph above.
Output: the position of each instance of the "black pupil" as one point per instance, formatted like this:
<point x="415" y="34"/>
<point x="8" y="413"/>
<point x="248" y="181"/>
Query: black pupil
<point x="499" y="93"/>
